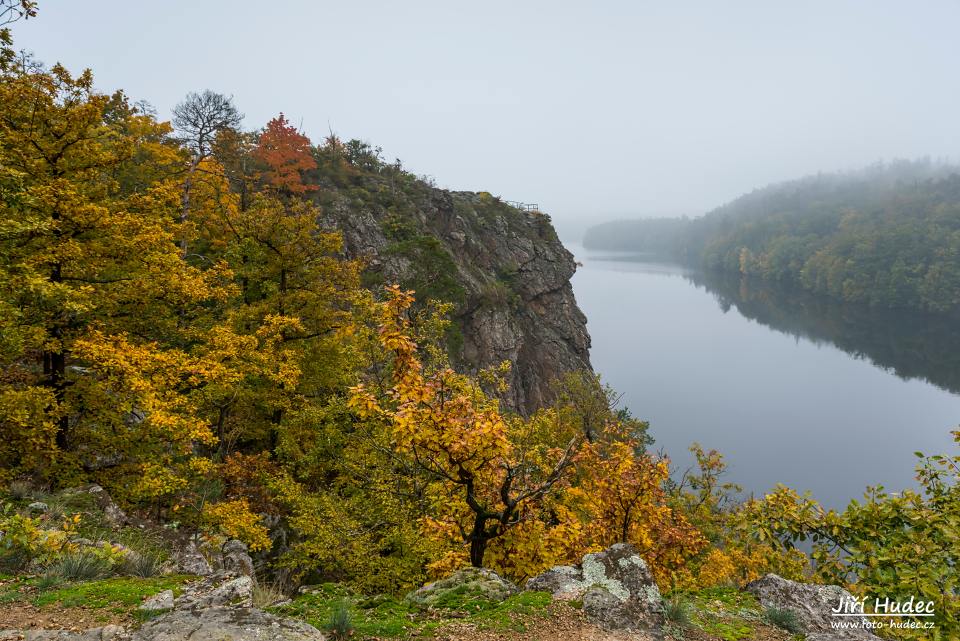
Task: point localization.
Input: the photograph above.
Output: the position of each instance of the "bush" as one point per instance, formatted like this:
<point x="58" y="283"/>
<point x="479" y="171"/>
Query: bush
<point x="784" y="618"/>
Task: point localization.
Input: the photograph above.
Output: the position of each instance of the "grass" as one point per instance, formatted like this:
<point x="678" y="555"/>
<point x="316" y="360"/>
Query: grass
<point x="79" y="566"/>
<point x="118" y="595"/>
<point x="265" y="595"/>
<point x="340" y="625"/>
<point x="678" y="611"/>
<point x="725" y="613"/>
<point x="784" y="618"/>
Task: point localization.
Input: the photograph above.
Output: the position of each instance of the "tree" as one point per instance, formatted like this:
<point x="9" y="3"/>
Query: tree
<point x="199" y="118"/>
<point x="11" y="11"/>
<point x="450" y="430"/>
<point x="889" y="545"/>
<point x="94" y="290"/>
<point x="285" y="154"/>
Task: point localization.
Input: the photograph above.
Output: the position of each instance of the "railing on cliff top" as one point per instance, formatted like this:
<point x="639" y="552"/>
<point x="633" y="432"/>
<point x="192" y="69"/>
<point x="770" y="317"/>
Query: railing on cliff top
<point x="531" y="207"/>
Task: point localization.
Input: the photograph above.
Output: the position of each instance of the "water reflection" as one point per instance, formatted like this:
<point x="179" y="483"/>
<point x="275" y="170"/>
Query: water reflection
<point x="911" y="345"/>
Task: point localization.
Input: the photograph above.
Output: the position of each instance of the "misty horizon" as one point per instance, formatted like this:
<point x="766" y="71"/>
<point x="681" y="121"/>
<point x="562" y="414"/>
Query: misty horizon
<point x="596" y="113"/>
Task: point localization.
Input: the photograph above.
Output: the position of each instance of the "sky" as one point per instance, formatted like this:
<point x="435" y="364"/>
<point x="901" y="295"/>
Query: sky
<point x="594" y="110"/>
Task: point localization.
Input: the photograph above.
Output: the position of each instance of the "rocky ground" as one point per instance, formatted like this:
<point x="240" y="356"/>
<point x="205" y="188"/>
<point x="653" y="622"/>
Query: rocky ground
<point x="204" y="590"/>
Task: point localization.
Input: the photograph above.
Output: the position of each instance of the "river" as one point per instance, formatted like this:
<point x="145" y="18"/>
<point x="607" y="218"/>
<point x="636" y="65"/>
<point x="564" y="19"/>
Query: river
<point x="790" y="388"/>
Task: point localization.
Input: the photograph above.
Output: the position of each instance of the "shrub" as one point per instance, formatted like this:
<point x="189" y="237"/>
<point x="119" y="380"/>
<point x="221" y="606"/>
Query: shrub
<point x="784" y="618"/>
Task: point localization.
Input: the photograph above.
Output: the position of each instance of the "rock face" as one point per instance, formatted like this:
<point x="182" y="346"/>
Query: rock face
<point x="221" y="623"/>
<point x="469" y="582"/>
<point x="505" y="270"/>
<point x="213" y="591"/>
<point x="235" y="559"/>
<point x="190" y="560"/>
<point x="812" y="605"/>
<point x="616" y="588"/>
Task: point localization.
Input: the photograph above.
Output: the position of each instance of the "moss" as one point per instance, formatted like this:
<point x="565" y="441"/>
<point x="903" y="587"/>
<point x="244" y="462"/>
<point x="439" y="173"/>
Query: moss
<point x="725" y="613"/>
<point x="117" y="591"/>
<point x="384" y="616"/>
<point x="104" y="598"/>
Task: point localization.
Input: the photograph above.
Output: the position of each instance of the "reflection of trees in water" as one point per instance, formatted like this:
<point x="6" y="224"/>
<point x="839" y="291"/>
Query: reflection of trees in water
<point x="911" y="345"/>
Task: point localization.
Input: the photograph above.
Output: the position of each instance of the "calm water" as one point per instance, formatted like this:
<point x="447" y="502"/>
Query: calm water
<point x="790" y="388"/>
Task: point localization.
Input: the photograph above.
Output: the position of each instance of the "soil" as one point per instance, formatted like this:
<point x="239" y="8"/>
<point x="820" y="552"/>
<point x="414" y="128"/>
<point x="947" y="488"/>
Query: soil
<point x="24" y="616"/>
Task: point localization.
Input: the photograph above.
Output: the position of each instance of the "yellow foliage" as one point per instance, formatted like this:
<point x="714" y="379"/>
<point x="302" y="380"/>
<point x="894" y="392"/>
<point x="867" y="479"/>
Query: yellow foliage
<point x="235" y="520"/>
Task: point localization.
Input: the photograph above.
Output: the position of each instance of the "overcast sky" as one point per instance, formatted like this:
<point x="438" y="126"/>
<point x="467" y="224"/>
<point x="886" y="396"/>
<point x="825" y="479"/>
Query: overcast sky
<point x="596" y="110"/>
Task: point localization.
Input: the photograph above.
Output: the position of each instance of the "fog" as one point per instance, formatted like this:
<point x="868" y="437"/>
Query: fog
<point x="593" y="110"/>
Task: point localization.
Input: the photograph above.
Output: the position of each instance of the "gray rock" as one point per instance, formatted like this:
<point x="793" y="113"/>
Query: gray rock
<point x="236" y="560"/>
<point x="106" y="633"/>
<point x="468" y="582"/>
<point x="812" y="604"/>
<point x="161" y="601"/>
<point x="210" y="593"/>
<point x="38" y="506"/>
<point x="189" y="560"/>
<point x="518" y="303"/>
<point x="616" y="587"/>
<point x="220" y="624"/>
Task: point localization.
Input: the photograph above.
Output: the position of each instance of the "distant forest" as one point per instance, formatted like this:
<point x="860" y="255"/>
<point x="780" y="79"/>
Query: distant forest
<point x="887" y="235"/>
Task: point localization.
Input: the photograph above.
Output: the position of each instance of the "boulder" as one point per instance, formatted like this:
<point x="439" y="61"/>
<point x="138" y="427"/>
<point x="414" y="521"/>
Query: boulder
<point x="812" y="604"/>
<point x="615" y="586"/>
<point x="235" y="559"/>
<point x="466" y="583"/>
<point x="162" y="601"/>
<point x="190" y="560"/>
<point x="211" y="593"/>
<point x="219" y="623"/>
<point x="38" y="506"/>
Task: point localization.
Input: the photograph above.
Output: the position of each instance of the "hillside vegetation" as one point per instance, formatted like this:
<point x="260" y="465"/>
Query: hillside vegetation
<point x="887" y="236"/>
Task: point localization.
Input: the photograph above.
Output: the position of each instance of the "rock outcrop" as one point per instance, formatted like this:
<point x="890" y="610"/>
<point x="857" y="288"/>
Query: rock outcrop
<point x="203" y="559"/>
<point x="220" y="623"/>
<point x="465" y="583"/>
<point x="616" y="587"/>
<point x="106" y="633"/>
<point x="505" y="270"/>
<point x="812" y="604"/>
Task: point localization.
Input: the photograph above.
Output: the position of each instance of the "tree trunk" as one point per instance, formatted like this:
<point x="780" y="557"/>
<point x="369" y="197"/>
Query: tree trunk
<point x="479" y="537"/>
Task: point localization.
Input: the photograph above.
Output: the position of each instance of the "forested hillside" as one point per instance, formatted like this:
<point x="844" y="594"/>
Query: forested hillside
<point x="888" y="235"/>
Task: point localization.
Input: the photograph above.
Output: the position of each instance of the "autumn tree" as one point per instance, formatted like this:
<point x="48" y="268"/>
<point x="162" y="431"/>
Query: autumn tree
<point x="93" y="289"/>
<point x="453" y="432"/>
<point x="284" y="154"/>
<point x="198" y="119"/>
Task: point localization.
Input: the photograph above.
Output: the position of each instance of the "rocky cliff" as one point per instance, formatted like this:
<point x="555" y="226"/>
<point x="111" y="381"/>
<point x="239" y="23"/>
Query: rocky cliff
<point x="504" y="269"/>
